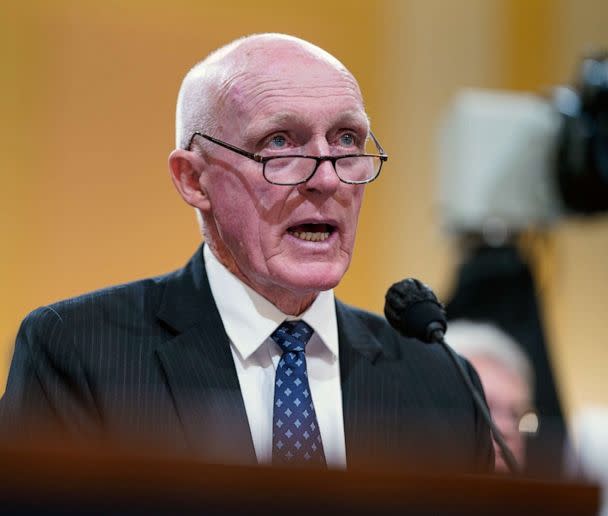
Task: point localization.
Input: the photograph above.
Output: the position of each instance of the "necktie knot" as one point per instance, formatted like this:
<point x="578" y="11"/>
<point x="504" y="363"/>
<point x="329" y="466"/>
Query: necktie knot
<point x="292" y="336"/>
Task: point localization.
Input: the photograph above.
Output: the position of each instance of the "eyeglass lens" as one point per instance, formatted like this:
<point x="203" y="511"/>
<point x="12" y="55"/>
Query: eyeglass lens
<point x="292" y="170"/>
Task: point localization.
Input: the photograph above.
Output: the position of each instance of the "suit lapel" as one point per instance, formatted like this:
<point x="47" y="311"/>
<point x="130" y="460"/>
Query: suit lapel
<point x="363" y="386"/>
<point x="200" y="370"/>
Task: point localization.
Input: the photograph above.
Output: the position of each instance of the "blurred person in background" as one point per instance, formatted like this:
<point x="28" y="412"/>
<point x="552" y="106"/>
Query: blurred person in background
<point x="507" y="378"/>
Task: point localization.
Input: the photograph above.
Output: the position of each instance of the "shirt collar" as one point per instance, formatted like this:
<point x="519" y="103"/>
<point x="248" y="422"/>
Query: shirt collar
<point x="249" y="318"/>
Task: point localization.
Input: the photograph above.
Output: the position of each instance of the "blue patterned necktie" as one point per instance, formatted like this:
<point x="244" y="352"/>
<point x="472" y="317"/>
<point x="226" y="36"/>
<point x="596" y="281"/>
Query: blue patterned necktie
<point x="296" y="439"/>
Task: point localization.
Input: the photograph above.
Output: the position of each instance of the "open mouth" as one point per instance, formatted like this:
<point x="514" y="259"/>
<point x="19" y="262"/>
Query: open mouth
<point x="312" y="232"/>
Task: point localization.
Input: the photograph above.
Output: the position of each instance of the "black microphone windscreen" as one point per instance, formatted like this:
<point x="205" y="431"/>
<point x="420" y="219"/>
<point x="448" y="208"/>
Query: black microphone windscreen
<point x="411" y="308"/>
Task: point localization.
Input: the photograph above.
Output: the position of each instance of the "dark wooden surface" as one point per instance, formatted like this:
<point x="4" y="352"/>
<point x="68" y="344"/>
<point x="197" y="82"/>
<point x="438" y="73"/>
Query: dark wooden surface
<point x="102" y="482"/>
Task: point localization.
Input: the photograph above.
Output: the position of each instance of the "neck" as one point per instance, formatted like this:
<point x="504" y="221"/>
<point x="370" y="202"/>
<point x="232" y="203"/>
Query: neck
<point x="289" y="302"/>
<point x="286" y="300"/>
<point x="292" y="305"/>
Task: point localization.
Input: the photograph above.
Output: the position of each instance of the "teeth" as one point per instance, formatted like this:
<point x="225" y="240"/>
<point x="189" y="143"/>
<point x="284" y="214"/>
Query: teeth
<point x="309" y="235"/>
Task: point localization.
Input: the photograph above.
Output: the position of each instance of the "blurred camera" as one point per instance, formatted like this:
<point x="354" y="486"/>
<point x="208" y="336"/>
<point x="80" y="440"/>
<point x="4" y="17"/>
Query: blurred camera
<point x="510" y="161"/>
<point x="582" y="150"/>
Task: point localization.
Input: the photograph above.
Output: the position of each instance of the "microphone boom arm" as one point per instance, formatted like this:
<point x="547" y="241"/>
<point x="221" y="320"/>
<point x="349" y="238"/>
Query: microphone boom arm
<point x="437" y="336"/>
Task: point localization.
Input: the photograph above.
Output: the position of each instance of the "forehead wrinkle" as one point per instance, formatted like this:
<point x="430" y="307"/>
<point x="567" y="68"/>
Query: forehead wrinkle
<point x="244" y="86"/>
<point x="227" y="89"/>
<point x="316" y="91"/>
<point x="263" y="84"/>
<point x="269" y="111"/>
<point x="346" y="117"/>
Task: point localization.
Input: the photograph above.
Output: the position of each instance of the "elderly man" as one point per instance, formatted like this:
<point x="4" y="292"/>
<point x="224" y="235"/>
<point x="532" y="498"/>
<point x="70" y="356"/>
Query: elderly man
<point x="244" y="355"/>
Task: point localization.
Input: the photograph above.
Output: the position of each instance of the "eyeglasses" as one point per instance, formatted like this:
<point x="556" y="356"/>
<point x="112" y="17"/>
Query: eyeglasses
<point x="294" y="169"/>
<point x="524" y="421"/>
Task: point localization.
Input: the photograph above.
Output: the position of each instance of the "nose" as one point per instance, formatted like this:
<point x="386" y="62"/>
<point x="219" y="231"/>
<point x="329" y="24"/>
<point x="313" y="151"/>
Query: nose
<point x="324" y="180"/>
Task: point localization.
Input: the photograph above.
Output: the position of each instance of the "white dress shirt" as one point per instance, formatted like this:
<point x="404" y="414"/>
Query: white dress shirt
<point x="249" y="320"/>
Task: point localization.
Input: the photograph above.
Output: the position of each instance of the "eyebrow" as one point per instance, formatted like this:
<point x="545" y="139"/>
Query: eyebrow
<point x="285" y="118"/>
<point x="354" y="118"/>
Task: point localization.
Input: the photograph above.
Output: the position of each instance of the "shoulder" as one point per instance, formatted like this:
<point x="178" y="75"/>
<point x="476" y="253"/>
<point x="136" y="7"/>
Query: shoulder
<point x="392" y="344"/>
<point x="425" y="367"/>
<point x="373" y="322"/>
<point x="138" y="296"/>
<point x="120" y="308"/>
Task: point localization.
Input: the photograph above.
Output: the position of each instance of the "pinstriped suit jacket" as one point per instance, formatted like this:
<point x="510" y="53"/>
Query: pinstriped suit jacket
<point x="149" y="363"/>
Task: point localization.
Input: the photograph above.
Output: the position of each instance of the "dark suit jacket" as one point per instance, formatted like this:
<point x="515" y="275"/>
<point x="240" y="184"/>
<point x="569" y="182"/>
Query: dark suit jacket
<point x="150" y="363"/>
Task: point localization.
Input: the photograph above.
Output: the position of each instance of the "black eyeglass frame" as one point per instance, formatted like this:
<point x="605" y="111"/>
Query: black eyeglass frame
<point x="319" y="159"/>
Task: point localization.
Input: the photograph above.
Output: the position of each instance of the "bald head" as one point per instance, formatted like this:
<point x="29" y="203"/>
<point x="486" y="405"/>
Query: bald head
<point x="204" y="90"/>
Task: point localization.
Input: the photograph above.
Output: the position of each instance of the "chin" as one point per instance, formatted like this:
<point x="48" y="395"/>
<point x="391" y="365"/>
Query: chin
<point x="314" y="277"/>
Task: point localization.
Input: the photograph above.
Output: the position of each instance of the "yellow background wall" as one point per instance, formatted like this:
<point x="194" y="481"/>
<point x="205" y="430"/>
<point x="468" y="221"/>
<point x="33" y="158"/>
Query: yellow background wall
<point x="87" y="97"/>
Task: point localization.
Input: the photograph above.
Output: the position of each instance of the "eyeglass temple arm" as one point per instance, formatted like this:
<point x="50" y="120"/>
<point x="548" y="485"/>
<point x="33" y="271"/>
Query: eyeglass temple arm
<point x="382" y="151"/>
<point x="250" y="155"/>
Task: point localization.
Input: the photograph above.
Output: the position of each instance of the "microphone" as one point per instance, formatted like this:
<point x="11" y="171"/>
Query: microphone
<point x="414" y="311"/>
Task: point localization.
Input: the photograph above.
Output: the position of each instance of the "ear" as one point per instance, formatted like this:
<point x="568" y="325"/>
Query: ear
<point x="186" y="168"/>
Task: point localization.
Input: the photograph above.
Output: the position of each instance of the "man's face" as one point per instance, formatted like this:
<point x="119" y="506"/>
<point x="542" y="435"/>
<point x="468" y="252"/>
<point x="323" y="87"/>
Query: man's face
<point x="285" y="239"/>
